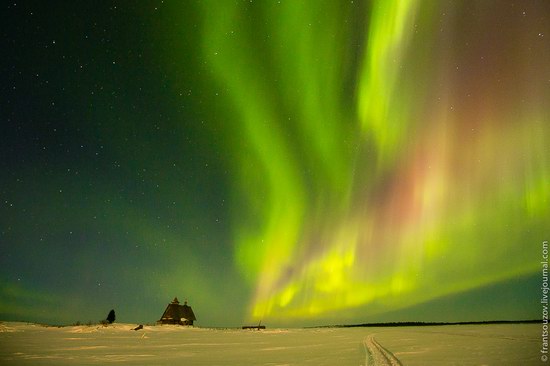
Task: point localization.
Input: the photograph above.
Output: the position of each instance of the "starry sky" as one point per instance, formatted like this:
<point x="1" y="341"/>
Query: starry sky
<point x="294" y="162"/>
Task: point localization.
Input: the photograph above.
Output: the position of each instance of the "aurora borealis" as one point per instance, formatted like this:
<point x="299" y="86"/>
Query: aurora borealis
<point x="295" y="162"/>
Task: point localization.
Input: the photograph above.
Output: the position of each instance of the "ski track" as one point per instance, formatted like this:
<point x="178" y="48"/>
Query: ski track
<point x="376" y="355"/>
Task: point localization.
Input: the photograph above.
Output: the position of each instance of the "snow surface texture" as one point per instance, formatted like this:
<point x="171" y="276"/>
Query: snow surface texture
<point x="503" y="344"/>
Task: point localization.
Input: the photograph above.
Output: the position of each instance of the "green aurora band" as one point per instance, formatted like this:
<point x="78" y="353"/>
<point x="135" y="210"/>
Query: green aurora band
<point x="376" y="172"/>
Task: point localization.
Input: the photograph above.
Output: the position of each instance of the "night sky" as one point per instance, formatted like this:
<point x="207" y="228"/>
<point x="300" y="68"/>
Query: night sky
<point x="295" y="162"/>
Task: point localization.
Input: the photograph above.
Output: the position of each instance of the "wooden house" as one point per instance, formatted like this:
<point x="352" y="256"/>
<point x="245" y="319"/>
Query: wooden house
<point x="178" y="314"/>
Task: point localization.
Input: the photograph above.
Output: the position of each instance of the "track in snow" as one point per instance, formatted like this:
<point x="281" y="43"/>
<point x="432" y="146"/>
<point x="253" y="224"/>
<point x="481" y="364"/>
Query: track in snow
<point x="376" y="355"/>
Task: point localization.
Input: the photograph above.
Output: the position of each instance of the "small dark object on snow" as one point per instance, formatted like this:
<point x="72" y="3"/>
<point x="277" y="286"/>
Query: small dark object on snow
<point x="258" y="327"/>
<point x="111" y="317"/>
<point x="139" y="327"/>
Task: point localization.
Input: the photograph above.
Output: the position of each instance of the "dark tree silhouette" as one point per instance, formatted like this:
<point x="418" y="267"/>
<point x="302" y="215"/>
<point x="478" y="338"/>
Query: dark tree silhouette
<point x="111" y="317"/>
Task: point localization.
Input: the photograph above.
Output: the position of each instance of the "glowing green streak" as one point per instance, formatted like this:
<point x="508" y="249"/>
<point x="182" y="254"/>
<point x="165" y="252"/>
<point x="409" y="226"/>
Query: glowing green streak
<point x="280" y="179"/>
<point x="382" y="114"/>
<point x="311" y="79"/>
<point x="267" y="167"/>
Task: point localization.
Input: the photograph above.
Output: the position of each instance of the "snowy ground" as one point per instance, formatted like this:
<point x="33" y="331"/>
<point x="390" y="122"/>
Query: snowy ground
<point x="506" y="344"/>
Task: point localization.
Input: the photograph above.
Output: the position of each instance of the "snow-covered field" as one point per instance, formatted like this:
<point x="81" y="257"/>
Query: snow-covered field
<point x="500" y="344"/>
